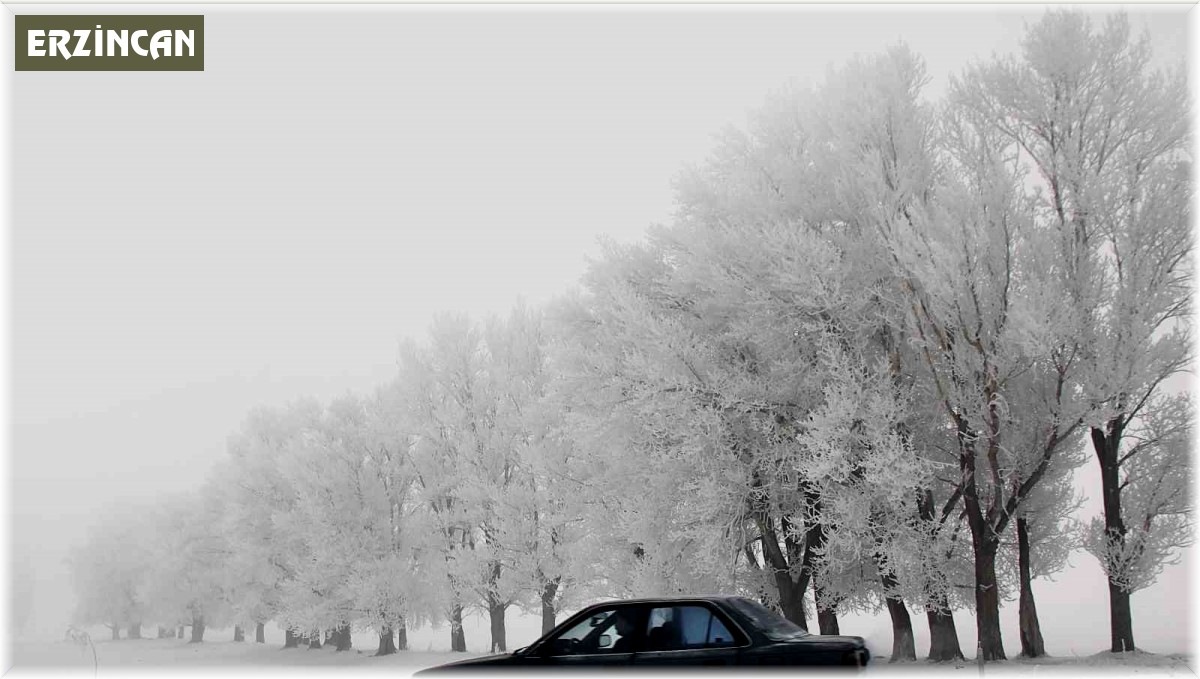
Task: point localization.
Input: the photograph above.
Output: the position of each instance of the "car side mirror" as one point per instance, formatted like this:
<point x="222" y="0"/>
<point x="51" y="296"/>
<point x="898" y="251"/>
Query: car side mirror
<point x="605" y="641"/>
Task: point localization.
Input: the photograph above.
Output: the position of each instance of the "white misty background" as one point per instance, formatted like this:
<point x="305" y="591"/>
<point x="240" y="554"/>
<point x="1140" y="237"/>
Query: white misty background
<point x="187" y="252"/>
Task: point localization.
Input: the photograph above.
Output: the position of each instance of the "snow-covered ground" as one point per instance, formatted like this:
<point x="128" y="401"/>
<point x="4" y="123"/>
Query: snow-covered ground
<point x="158" y="656"/>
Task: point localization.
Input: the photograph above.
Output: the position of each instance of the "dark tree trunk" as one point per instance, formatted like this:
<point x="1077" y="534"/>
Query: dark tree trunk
<point x="791" y="599"/>
<point x="238" y="634"/>
<point x="260" y="633"/>
<point x="179" y="632"/>
<point x="328" y="637"/>
<point x="496" y="610"/>
<point x="197" y="629"/>
<point x="402" y="635"/>
<point x="827" y="620"/>
<point x="943" y="635"/>
<point x="903" y="645"/>
<point x="387" y="642"/>
<point x="314" y="640"/>
<point x="134" y="631"/>
<point x="1032" y="645"/>
<point x="791" y="592"/>
<point x="984" y="543"/>
<point x="1122" y="620"/>
<point x="549" y="591"/>
<point x="781" y="560"/>
<point x="458" y="639"/>
<point x="302" y="638"/>
<point x="162" y="632"/>
<point x="987" y="603"/>
<point x="496" y="618"/>
<point x="290" y="639"/>
<point x="116" y="631"/>
<point x="1107" y="445"/>
<point x="343" y="640"/>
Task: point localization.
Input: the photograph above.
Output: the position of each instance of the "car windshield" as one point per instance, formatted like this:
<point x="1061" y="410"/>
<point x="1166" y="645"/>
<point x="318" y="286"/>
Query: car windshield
<point x="773" y="625"/>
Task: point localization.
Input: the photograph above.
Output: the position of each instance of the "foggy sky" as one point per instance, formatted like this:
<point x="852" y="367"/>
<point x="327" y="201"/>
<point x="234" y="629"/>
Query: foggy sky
<point x="186" y="246"/>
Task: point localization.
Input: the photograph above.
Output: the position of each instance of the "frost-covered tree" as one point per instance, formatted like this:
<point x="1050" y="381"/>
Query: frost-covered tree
<point x="331" y="517"/>
<point x="958" y="231"/>
<point x="1107" y="135"/>
<point x="434" y="382"/>
<point x="109" y="568"/>
<point x="799" y="168"/>
<point x="187" y="583"/>
<point x="1045" y="536"/>
<point x="1156" y="512"/>
<point x="255" y="493"/>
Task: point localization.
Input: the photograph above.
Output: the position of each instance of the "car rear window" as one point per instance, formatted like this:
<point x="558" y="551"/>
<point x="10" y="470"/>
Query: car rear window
<point x="773" y="625"/>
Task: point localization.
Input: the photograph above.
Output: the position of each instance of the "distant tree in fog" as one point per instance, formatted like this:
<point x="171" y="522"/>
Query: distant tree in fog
<point x="186" y="583"/>
<point x="110" y="567"/>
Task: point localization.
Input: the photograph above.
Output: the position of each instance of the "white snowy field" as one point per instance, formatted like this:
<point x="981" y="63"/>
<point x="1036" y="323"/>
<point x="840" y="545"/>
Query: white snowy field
<point x="156" y="656"/>
<point x="1077" y="647"/>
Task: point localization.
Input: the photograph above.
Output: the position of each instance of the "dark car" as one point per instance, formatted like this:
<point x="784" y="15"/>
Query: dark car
<point x="643" y="633"/>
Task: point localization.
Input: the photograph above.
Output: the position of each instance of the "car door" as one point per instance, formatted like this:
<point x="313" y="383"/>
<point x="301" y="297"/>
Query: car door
<point x="688" y="634"/>
<point x="604" y="637"/>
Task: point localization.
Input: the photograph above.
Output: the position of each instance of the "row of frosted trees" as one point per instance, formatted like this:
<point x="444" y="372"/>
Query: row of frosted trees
<point x="856" y="372"/>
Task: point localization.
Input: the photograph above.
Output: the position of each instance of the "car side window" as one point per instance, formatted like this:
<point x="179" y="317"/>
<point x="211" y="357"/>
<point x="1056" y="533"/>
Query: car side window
<point x="679" y="628"/>
<point x="605" y="631"/>
<point x="719" y="634"/>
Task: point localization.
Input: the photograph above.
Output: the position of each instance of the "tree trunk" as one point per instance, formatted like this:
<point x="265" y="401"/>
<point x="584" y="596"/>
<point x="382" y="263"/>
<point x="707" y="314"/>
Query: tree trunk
<point x="984" y="543"/>
<point x="790" y="591"/>
<point x="238" y="634"/>
<point x="260" y="635"/>
<point x="116" y="631"/>
<point x="827" y="620"/>
<point x="387" y="642"/>
<point x="197" y="629"/>
<point x="402" y="635"/>
<point x="290" y="640"/>
<point x="328" y="637"/>
<point x="134" y="631"/>
<point x="791" y="599"/>
<point x="162" y="632"/>
<point x="987" y="603"/>
<point x="314" y="640"/>
<point x="943" y="635"/>
<point x="549" y="591"/>
<point x="302" y="638"/>
<point x="496" y="618"/>
<point x="344" y="642"/>
<point x="1032" y="645"/>
<point x="1122" y="620"/>
<point x="458" y="639"/>
<point x="1107" y="446"/>
<point x="179" y="632"/>
<point x="903" y="645"/>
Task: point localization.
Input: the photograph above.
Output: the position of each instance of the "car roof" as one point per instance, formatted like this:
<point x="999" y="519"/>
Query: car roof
<point x="668" y="600"/>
